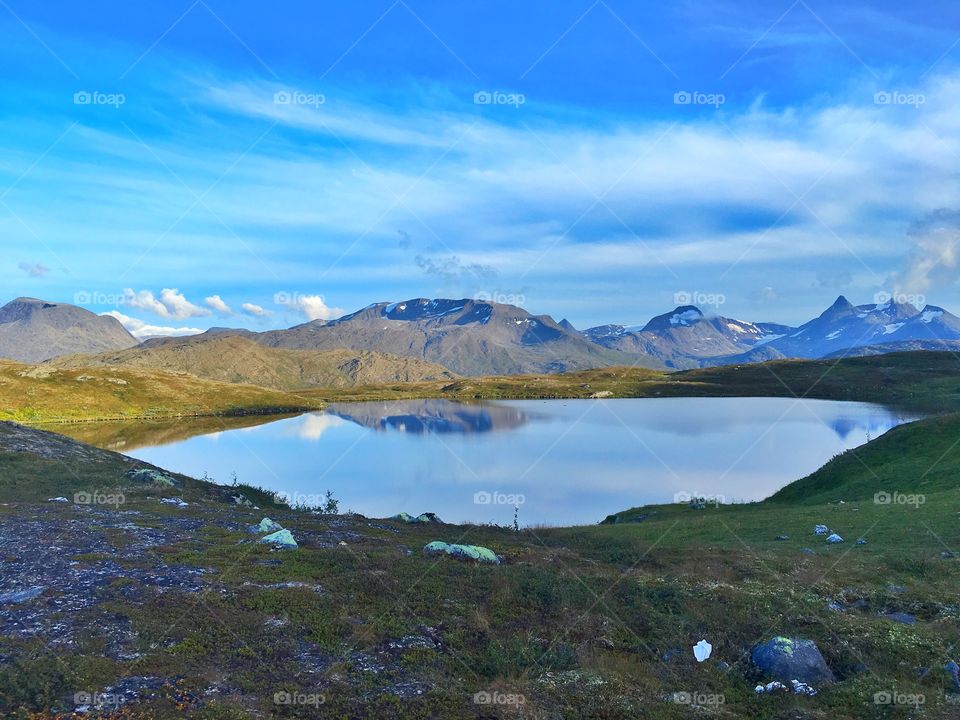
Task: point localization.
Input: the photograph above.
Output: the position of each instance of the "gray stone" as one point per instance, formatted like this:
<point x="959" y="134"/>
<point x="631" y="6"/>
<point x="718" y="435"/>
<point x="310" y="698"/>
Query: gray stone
<point x="788" y="659"/>
<point x="953" y="670"/>
<point x="902" y="617"/>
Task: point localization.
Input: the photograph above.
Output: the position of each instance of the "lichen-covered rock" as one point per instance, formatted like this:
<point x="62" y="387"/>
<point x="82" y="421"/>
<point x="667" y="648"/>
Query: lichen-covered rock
<point x="266" y="526"/>
<point x="426" y="518"/>
<point x="789" y="659"/>
<point x="462" y="552"/>
<point x="281" y="538"/>
<point x="149" y="476"/>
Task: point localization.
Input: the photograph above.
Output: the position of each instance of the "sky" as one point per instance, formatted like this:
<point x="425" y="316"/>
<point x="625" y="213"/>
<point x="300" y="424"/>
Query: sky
<point x="199" y="163"/>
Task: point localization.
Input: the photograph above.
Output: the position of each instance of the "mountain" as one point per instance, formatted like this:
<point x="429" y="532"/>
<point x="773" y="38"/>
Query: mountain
<point x="468" y="336"/>
<point x="237" y="359"/>
<point x="32" y="330"/>
<point x="845" y="326"/>
<point x="686" y="338"/>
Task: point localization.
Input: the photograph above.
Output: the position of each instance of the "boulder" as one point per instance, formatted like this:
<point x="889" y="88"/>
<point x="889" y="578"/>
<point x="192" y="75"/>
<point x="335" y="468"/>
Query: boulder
<point x="787" y="659"/>
<point x="266" y="526"/>
<point x="462" y="552"/>
<point x="953" y="670"/>
<point x="426" y="518"/>
<point x="904" y="618"/>
<point x="281" y="538"/>
<point x="149" y="476"/>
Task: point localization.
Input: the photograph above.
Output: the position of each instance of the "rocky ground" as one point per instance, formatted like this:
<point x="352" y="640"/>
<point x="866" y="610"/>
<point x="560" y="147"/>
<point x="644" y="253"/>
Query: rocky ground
<point x="130" y="592"/>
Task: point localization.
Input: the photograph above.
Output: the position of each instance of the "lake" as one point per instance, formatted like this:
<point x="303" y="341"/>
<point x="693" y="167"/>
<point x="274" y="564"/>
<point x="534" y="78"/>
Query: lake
<point x="562" y="462"/>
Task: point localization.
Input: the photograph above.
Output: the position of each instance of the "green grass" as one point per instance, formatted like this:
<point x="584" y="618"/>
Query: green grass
<point x="577" y="619"/>
<point x="36" y="395"/>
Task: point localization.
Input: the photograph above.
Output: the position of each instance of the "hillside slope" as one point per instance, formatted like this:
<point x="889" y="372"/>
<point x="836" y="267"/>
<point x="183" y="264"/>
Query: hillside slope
<point x="44" y="393"/>
<point x="236" y="359"/>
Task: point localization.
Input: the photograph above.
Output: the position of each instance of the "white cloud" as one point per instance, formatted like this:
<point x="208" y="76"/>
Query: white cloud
<point x="171" y="304"/>
<point x="255" y="310"/>
<point x="142" y="330"/>
<point x="934" y="261"/>
<point x="315" y="308"/>
<point x="218" y="304"/>
<point x="179" y="306"/>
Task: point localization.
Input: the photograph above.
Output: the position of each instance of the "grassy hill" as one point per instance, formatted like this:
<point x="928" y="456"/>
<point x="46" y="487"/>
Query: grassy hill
<point x="48" y="394"/>
<point x="930" y="380"/>
<point x="921" y="457"/>
<point x="235" y="359"/>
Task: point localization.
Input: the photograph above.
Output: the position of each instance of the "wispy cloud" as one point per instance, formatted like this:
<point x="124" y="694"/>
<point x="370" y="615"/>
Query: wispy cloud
<point x="35" y="270"/>
<point x="217" y="303"/>
<point x="171" y="303"/>
<point x="255" y="310"/>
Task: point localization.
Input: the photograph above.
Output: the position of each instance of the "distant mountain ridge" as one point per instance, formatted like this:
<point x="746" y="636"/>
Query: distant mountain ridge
<point x="423" y="339"/>
<point x="470" y="337"/>
<point x="33" y="330"/>
<point x="686" y="338"/>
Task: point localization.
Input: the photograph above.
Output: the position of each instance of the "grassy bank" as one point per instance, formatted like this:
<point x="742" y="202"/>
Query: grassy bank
<point x="921" y="379"/>
<point x="43" y="395"/>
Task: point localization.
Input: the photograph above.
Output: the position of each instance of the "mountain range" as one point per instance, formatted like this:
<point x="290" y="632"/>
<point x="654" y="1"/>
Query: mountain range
<point x="429" y="339"/>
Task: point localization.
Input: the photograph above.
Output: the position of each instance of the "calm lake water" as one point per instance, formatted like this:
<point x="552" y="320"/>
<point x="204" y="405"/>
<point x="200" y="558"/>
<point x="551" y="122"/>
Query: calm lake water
<point x="563" y="462"/>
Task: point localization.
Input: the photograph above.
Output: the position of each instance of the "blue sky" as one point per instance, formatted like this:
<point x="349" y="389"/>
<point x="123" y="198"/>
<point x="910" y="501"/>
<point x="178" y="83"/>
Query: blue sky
<point x="190" y="164"/>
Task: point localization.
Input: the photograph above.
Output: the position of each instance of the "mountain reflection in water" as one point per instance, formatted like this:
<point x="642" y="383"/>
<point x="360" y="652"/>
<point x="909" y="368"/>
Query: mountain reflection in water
<point x="419" y="417"/>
